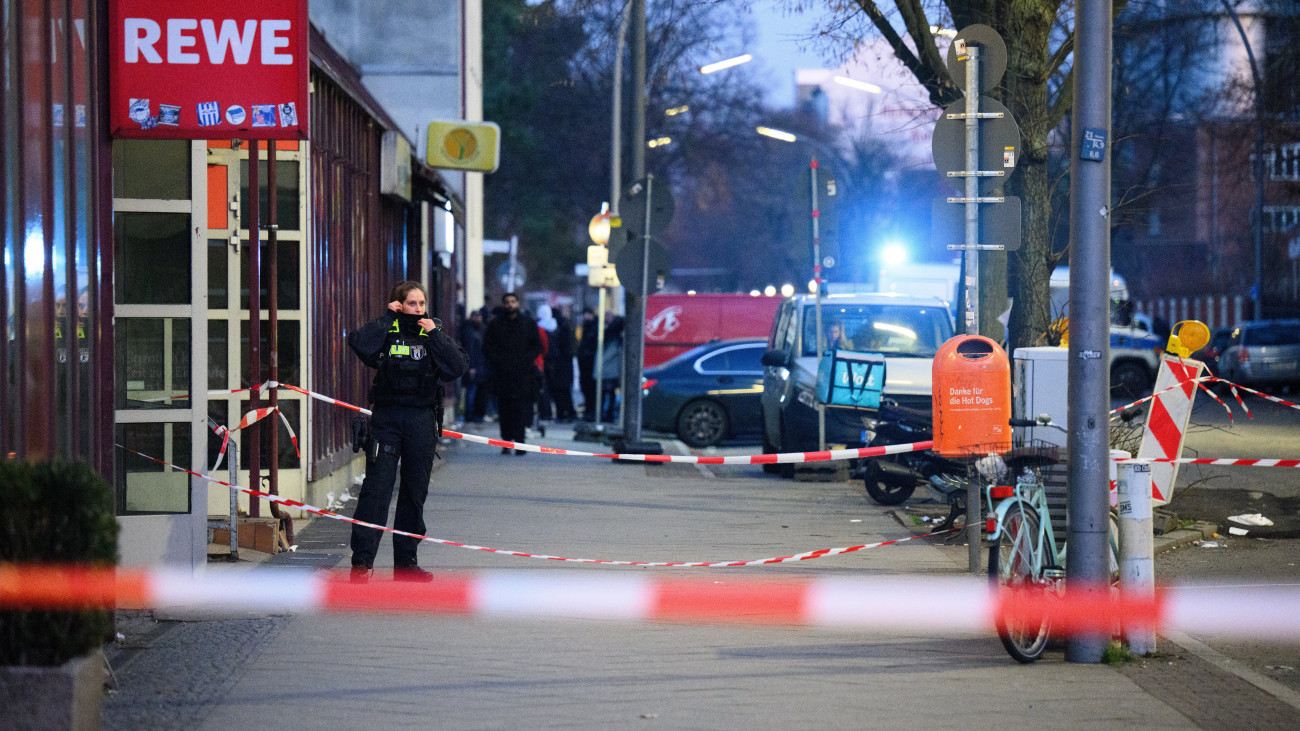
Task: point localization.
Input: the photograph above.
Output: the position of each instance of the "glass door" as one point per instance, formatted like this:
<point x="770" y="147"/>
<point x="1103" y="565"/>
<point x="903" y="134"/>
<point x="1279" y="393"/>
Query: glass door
<point x="159" y="271"/>
<point x="228" y="243"/>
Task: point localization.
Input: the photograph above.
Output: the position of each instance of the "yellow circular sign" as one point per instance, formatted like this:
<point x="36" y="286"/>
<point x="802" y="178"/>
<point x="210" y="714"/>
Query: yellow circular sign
<point x="1192" y="334"/>
<point x="460" y="144"/>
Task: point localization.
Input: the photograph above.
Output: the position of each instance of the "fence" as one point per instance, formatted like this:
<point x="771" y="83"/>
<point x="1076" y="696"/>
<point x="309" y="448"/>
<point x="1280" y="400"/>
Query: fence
<point x="1214" y="311"/>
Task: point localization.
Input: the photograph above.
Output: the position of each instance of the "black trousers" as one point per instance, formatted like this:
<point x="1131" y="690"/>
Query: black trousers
<point x="515" y="411"/>
<point x="407" y="433"/>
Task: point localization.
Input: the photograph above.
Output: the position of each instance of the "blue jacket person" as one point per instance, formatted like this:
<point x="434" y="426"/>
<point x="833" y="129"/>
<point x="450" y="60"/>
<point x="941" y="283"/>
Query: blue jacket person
<point x="412" y="355"/>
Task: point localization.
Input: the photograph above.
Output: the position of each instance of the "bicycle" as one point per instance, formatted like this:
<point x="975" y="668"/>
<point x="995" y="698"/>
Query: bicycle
<point x="1024" y="553"/>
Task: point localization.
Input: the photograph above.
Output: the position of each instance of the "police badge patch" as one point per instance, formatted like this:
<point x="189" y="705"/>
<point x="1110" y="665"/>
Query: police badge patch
<point x="263" y="115"/>
<point x="417" y="352"/>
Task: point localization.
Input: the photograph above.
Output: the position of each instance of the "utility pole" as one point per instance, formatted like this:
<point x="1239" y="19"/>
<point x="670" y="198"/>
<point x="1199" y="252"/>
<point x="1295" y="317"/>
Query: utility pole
<point x="634" y="304"/>
<point x="1087" y="567"/>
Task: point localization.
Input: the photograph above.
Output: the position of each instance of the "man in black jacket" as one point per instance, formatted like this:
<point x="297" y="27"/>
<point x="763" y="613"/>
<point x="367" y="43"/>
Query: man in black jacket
<point x="411" y="353"/>
<point x="511" y="344"/>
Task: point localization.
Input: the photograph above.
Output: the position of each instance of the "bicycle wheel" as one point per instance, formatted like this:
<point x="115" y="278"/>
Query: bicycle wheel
<point x="1016" y="562"/>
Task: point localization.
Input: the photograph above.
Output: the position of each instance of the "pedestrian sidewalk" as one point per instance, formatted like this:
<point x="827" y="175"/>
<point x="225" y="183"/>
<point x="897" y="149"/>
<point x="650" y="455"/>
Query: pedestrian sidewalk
<point x="409" y="671"/>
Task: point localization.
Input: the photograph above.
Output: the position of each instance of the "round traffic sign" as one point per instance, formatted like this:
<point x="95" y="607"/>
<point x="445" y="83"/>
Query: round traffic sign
<point x="999" y="144"/>
<point x="992" y="57"/>
<point x="628" y="263"/>
<point x="632" y="206"/>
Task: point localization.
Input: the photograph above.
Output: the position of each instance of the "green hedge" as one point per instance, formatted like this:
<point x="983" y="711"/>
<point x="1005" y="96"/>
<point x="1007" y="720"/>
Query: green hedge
<point x="63" y="513"/>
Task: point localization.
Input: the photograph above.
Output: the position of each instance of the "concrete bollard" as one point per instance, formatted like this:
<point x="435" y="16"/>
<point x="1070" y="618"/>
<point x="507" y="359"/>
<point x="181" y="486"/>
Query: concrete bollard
<point x="1136" y="547"/>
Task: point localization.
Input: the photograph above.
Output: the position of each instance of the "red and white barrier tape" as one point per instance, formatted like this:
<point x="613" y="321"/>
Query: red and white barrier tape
<point x="819" y="553"/>
<point x="1201" y="384"/>
<point x="944" y="606"/>
<point x="1210" y="461"/>
<point x="782" y="458"/>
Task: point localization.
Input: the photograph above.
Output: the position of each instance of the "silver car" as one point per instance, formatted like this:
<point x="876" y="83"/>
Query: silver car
<point x="1263" y="353"/>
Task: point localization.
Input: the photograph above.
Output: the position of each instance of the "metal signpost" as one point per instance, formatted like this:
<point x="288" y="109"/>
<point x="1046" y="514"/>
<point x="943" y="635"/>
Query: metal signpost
<point x="981" y="149"/>
<point x="647" y="209"/>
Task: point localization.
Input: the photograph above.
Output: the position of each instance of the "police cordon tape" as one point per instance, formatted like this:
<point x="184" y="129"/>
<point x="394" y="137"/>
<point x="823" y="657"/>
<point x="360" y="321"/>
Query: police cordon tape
<point x="943" y="606"/>
<point x="805" y="556"/>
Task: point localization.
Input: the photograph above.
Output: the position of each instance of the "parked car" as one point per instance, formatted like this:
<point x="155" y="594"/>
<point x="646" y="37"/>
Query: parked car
<point x="907" y="330"/>
<point x="707" y="394"/>
<point x="1219" y="342"/>
<point x="1263" y="353"/>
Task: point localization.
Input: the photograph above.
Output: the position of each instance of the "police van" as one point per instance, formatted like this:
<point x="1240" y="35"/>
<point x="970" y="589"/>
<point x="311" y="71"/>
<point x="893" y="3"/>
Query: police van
<point x="1135" y="348"/>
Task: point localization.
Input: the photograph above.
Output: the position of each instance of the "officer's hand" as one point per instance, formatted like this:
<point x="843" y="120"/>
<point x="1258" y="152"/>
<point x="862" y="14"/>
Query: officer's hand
<point x="428" y="325"/>
<point x="395" y="306"/>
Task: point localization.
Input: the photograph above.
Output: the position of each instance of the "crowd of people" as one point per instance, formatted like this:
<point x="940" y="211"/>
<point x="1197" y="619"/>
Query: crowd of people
<point x="521" y="367"/>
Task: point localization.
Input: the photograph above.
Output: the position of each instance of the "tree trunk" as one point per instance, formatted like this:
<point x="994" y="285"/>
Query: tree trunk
<point x="1029" y="22"/>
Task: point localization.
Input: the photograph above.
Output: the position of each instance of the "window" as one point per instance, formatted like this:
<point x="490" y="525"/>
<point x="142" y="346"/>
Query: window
<point x="895" y="330"/>
<point x="736" y="359"/>
<point x="1284" y="161"/>
<point x="1280" y="219"/>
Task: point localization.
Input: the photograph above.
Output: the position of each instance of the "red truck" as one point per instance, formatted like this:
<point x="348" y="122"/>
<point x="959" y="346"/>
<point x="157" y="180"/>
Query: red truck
<point x="675" y="323"/>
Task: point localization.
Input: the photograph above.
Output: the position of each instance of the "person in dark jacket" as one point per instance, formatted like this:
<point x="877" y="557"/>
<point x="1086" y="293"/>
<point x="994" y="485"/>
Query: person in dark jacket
<point x="511" y="344"/>
<point x="587" y="363"/>
<point x="476" y="378"/>
<point x="559" y="368"/>
<point x="411" y="354"/>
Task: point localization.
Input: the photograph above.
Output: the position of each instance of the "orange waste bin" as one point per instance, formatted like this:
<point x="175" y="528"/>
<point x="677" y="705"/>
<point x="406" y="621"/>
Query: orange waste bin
<point x="972" y="397"/>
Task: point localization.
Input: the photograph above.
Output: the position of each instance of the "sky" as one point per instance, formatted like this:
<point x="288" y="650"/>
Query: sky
<point x="777" y="47"/>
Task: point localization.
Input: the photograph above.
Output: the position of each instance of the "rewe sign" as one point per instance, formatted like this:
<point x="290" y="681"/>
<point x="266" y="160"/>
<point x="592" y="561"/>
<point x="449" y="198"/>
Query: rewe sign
<point x="235" y="69"/>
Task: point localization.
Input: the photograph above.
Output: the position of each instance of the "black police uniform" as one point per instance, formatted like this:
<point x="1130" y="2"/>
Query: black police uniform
<point x="405" y="426"/>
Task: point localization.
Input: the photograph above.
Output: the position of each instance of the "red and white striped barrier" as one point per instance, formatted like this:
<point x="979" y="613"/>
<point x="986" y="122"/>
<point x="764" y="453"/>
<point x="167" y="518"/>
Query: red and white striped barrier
<point x="943" y="606"/>
<point x="805" y="556"/>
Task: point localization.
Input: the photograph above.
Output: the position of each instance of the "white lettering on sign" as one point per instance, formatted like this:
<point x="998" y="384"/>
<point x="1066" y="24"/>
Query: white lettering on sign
<point x="270" y="42"/>
<point x="240" y="45"/>
<point x="142" y="34"/>
<point x="177" y="40"/>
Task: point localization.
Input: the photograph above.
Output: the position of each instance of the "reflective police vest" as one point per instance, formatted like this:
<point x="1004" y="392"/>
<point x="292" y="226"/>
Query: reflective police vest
<point x="407" y="375"/>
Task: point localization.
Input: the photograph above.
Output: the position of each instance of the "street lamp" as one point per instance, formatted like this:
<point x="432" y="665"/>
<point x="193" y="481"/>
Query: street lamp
<point x="726" y="64"/>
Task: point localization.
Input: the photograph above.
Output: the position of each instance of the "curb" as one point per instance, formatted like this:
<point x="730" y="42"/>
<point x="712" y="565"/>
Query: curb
<point x="1198" y="531"/>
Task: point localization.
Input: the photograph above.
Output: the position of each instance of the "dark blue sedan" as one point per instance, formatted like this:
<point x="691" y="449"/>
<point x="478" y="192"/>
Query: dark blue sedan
<point x="707" y="394"/>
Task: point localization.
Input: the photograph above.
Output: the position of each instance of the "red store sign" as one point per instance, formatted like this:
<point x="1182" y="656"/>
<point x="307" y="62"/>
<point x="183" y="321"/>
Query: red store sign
<point x="235" y="69"/>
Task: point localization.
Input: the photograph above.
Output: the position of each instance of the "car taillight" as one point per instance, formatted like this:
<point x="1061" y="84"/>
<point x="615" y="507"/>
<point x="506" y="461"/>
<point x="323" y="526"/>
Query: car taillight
<point x="1243" y="355"/>
<point x="648" y="383"/>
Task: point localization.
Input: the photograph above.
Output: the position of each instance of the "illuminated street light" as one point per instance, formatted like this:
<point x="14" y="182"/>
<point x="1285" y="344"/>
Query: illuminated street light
<point x="855" y="84"/>
<point x="776" y="134"/>
<point x="812" y="286"/>
<point x="660" y="142"/>
<point x="769" y="290"/>
<point x="728" y="63"/>
<point x="755" y="293"/>
<point x="677" y="110"/>
<point x="787" y="289"/>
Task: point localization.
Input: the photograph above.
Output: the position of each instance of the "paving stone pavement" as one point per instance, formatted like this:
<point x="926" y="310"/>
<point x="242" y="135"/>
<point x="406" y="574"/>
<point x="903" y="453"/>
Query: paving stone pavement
<point x="345" y="672"/>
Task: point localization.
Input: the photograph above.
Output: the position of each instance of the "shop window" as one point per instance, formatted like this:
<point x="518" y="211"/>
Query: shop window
<point x="158" y="169"/>
<point x="152" y="258"/>
<point x="286" y="252"/>
<point x="153" y="363"/>
<point x="145" y="486"/>
<point x="286" y="194"/>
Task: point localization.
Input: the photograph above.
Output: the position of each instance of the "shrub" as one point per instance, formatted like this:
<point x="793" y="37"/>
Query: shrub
<point x="59" y="513"/>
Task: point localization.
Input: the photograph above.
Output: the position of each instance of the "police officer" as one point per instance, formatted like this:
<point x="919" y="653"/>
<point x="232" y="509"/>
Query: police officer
<point x="411" y="354"/>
